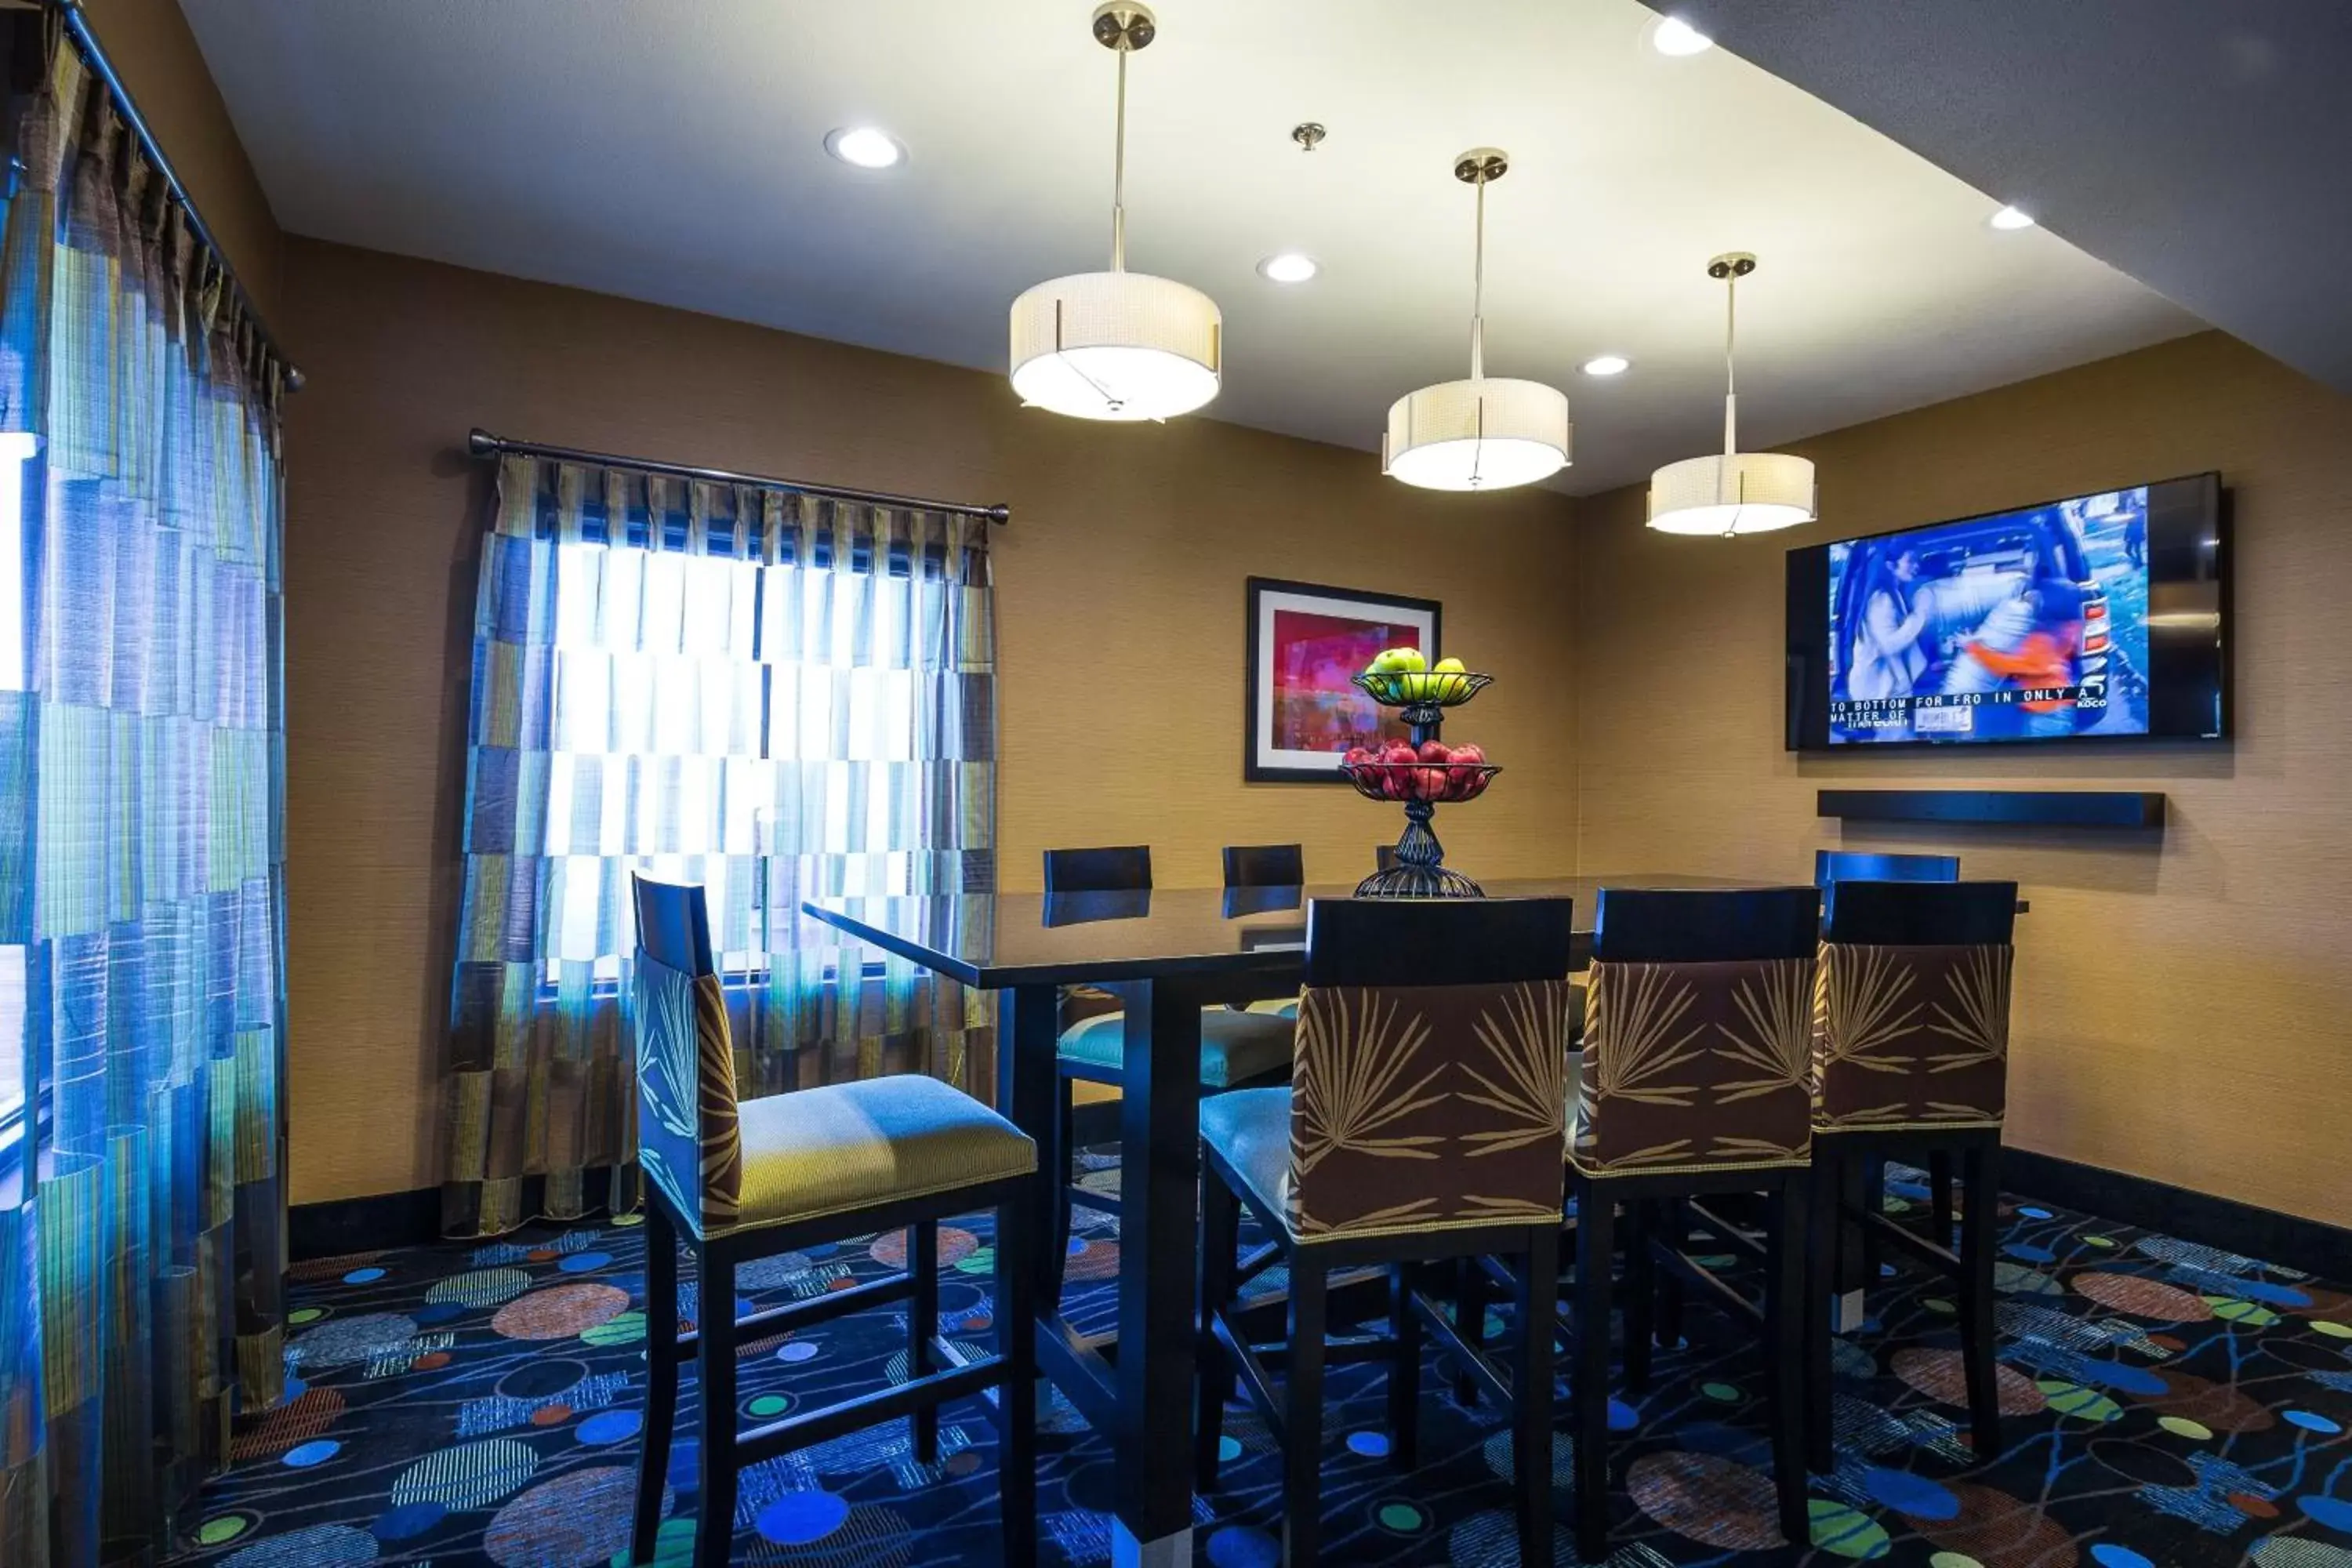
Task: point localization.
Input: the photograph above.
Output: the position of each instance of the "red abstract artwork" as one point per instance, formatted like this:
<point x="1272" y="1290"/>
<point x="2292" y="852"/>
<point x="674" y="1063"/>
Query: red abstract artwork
<point x="1315" y="657"/>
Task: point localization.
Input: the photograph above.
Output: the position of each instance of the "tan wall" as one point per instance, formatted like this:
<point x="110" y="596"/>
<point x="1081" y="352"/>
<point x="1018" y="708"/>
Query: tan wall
<point x="2185" y="1001"/>
<point x="156" y="55"/>
<point x="1119" y="615"/>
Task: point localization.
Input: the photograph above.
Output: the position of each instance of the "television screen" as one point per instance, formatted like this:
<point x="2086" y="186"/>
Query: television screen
<point x="2095" y="616"/>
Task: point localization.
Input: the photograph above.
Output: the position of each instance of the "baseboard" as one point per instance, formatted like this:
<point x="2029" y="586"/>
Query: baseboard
<point x="363" y="1225"/>
<point x="2309" y="1245"/>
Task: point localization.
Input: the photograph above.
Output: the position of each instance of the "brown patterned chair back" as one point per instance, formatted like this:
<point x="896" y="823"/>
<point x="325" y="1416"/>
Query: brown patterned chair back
<point x="1698" y="1031"/>
<point x="1913" y="1015"/>
<point x="689" y="1140"/>
<point x="1429" y="1087"/>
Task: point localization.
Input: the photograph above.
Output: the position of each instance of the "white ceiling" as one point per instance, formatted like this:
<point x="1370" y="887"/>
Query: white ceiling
<point x="671" y="150"/>
<point x="2204" y="147"/>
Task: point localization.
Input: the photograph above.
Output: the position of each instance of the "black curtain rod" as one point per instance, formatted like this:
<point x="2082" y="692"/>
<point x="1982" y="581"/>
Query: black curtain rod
<point x="482" y="444"/>
<point x="78" y="23"/>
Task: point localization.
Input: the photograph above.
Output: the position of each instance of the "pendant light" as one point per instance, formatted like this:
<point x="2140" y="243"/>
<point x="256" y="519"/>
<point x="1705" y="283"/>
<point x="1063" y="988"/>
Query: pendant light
<point x="1483" y="434"/>
<point x="1118" y="344"/>
<point x="1738" y="492"/>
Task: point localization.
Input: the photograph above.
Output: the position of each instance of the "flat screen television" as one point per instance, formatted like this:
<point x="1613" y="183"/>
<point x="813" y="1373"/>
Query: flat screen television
<point x="2102" y="617"/>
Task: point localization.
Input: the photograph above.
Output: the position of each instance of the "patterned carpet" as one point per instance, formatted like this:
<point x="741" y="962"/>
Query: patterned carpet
<point x="2166" y="1403"/>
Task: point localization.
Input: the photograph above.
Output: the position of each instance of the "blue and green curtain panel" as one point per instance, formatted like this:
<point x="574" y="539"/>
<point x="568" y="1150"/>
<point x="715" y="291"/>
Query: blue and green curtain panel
<point x="142" y="1008"/>
<point x="773" y="694"/>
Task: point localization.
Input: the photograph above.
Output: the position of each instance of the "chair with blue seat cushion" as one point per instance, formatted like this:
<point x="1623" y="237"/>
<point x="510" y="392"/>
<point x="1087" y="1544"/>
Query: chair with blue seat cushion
<point x="1237" y="1047"/>
<point x="1425" y="1121"/>
<point x="738" y="1181"/>
<point x="1256" y="875"/>
<point x="1264" y="866"/>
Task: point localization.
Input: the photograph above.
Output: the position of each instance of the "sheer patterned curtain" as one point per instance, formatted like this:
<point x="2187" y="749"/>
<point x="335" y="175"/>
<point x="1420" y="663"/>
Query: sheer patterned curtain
<point x="141" y="1010"/>
<point x="772" y="694"/>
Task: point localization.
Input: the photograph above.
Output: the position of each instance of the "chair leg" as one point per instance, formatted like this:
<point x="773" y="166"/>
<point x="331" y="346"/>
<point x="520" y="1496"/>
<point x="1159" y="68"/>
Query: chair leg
<point x="1470" y="1322"/>
<point x="1302" y="1419"/>
<point x="715" y="1373"/>
<point x="922" y="1323"/>
<point x="1822" y="1224"/>
<point x="1674" y="1227"/>
<point x="1641" y="1295"/>
<point x="1784" y="1326"/>
<point x="661" y="1380"/>
<point x="1015" y="1311"/>
<point x="1213" y="1382"/>
<point x="1595" y="1254"/>
<point x="1531" y="1392"/>
<point x="1404" y="1372"/>
<point x="1056" y="1166"/>
<point x="1939" y="1196"/>
<point x="1980" y="1206"/>
<point x="1872" y="1200"/>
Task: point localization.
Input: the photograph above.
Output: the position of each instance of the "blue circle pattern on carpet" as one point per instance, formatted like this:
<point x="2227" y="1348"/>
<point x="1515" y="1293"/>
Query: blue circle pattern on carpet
<point x="611" y="1426"/>
<point x="448" y="1442"/>
<point x="796" y="1519"/>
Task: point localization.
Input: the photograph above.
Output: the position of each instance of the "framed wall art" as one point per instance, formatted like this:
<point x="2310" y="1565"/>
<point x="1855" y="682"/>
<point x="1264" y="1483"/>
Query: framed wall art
<point x="1306" y="642"/>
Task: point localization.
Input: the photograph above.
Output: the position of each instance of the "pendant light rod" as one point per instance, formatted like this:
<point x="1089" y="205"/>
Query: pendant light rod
<point x="1478" y="292"/>
<point x="1118" y="177"/>
<point x="1731" y="266"/>
<point x="1122" y="27"/>
<point x="1477" y="168"/>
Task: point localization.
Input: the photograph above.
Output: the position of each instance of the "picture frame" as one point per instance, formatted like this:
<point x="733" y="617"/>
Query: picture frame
<point x="1303" y="643"/>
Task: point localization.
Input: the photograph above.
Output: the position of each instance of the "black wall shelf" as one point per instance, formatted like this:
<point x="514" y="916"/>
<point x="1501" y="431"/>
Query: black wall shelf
<point x="2000" y="807"/>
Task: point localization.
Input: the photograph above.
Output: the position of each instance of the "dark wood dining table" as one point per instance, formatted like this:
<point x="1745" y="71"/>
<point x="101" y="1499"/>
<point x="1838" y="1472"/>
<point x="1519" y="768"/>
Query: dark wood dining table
<point x="1166" y="954"/>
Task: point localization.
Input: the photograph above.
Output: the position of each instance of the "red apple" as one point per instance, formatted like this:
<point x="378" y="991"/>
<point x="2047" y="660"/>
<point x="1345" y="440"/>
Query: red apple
<point x="1466" y="760"/>
<point x="1434" y="750"/>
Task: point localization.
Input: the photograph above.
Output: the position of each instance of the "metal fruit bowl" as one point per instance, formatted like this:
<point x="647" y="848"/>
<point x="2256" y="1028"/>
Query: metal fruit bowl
<point x="1422" y="688"/>
<point x="1441" y="782"/>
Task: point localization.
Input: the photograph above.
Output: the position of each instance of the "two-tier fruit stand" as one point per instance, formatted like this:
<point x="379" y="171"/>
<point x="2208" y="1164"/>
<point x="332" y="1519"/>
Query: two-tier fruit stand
<point x="1419" y="871"/>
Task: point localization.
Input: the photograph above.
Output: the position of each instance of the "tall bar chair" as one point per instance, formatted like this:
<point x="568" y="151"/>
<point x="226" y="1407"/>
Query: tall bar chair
<point x="1237" y="1047"/>
<point x="1694" y="1083"/>
<point x="1259" y="877"/>
<point x="1862" y="865"/>
<point x="1264" y="866"/>
<point x="740" y="1181"/>
<point x="1426" y="1120"/>
<point x="1912" y="1063"/>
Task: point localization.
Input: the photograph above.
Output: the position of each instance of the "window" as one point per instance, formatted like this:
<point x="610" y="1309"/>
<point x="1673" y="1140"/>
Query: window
<point x="706" y="713"/>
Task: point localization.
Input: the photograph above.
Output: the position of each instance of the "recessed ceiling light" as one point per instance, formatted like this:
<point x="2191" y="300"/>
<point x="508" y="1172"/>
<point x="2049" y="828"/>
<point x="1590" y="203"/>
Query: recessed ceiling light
<point x="1608" y="364"/>
<point x="2010" y="217"/>
<point x="1672" y="36"/>
<point x="1289" y="267"/>
<point x="864" y="147"/>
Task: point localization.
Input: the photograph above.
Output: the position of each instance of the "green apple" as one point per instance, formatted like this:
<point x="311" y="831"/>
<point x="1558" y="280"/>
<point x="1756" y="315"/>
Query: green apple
<point x="1411" y="658"/>
<point x="1449" y="666"/>
<point x="1388" y="661"/>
